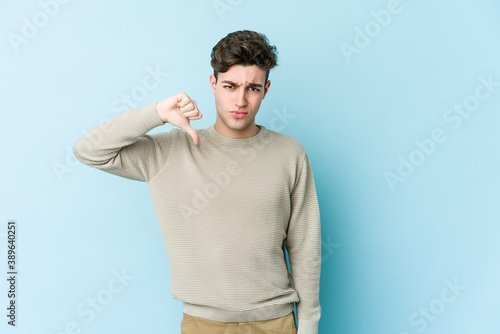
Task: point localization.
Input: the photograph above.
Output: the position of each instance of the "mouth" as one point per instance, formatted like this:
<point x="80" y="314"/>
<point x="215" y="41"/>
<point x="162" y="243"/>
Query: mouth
<point x="239" y="113"/>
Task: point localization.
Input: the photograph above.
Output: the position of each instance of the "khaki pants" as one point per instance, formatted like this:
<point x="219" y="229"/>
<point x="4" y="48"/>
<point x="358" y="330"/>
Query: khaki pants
<point x="195" y="325"/>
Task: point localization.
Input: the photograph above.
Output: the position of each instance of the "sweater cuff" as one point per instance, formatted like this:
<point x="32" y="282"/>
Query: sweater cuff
<point x="150" y="117"/>
<point x="307" y="327"/>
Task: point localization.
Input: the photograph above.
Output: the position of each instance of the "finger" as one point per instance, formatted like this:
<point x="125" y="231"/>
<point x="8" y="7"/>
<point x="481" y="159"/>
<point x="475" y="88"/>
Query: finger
<point x="193" y="113"/>
<point x="188" y="107"/>
<point x="196" y="112"/>
<point x="194" y="118"/>
<point x="192" y="132"/>
<point x="183" y="100"/>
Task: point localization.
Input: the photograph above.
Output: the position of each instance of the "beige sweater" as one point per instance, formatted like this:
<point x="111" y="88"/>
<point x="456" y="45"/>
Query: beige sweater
<point x="224" y="209"/>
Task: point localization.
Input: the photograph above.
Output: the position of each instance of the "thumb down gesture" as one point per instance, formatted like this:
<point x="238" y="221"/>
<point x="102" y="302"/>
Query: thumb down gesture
<point x="179" y="110"/>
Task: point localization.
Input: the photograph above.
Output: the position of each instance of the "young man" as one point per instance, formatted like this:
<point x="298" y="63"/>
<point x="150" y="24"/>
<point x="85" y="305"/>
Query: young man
<point x="229" y="199"/>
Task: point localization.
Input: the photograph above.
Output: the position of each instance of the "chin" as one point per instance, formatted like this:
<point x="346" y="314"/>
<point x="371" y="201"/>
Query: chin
<point x="237" y="124"/>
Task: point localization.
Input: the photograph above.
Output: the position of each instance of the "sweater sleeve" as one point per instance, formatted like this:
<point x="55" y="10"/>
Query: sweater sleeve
<point x="121" y="146"/>
<point x="304" y="249"/>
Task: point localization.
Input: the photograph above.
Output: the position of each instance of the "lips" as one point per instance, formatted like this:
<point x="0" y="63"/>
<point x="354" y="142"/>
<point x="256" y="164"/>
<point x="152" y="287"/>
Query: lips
<point x="239" y="113"/>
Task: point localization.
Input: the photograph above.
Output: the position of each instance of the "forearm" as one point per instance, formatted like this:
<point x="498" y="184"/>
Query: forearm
<point x="304" y="249"/>
<point x="103" y="146"/>
<point x="305" y="263"/>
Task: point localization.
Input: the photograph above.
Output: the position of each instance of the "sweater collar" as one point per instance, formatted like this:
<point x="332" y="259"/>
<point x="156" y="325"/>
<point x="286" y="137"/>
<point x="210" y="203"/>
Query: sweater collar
<point x="213" y="134"/>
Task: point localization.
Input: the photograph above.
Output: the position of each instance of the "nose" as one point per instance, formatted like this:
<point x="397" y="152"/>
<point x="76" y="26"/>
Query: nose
<point x="241" y="99"/>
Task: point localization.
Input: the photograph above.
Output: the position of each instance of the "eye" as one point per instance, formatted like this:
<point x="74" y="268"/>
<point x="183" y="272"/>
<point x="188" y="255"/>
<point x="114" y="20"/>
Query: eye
<point x="254" y="89"/>
<point x="228" y="86"/>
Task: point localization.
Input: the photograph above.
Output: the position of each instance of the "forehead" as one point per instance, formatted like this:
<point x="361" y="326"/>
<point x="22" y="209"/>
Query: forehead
<point x="241" y="74"/>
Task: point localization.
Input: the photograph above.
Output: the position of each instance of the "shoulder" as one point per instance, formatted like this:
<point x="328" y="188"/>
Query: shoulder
<point x="286" y="143"/>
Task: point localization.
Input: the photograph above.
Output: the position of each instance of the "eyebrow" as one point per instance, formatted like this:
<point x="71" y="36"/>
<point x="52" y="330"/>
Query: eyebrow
<point x="232" y="83"/>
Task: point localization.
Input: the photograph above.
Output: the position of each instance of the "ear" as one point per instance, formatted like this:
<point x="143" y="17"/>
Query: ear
<point x="213" y="82"/>
<point x="266" y="88"/>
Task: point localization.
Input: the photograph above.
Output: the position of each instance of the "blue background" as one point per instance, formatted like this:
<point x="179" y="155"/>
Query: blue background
<point x="393" y="244"/>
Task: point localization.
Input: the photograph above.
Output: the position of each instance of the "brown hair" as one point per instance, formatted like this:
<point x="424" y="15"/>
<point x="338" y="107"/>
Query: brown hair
<point x="246" y="48"/>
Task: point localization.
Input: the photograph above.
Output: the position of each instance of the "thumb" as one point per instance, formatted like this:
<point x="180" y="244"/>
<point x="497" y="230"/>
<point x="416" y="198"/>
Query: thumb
<point x="192" y="132"/>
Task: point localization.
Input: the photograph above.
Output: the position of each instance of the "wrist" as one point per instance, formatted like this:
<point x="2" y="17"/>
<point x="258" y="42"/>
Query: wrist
<point x="162" y="117"/>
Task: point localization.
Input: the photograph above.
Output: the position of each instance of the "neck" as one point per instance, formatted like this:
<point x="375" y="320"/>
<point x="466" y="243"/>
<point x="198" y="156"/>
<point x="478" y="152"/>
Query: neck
<point x="248" y="132"/>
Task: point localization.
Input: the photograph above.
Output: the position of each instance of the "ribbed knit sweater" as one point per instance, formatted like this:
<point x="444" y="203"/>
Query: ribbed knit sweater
<point x="226" y="209"/>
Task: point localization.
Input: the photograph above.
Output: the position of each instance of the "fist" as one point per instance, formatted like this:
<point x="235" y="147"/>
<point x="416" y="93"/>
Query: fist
<point x="179" y="110"/>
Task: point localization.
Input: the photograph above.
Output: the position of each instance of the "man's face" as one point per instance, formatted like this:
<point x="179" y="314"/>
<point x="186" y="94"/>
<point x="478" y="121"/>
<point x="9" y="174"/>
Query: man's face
<point x="238" y="94"/>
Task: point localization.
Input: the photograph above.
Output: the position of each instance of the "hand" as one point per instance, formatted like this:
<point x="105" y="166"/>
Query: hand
<point x="178" y="110"/>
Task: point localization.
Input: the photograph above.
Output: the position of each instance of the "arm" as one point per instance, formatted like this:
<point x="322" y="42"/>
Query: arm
<point x="304" y="249"/>
<point x="121" y="146"/>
